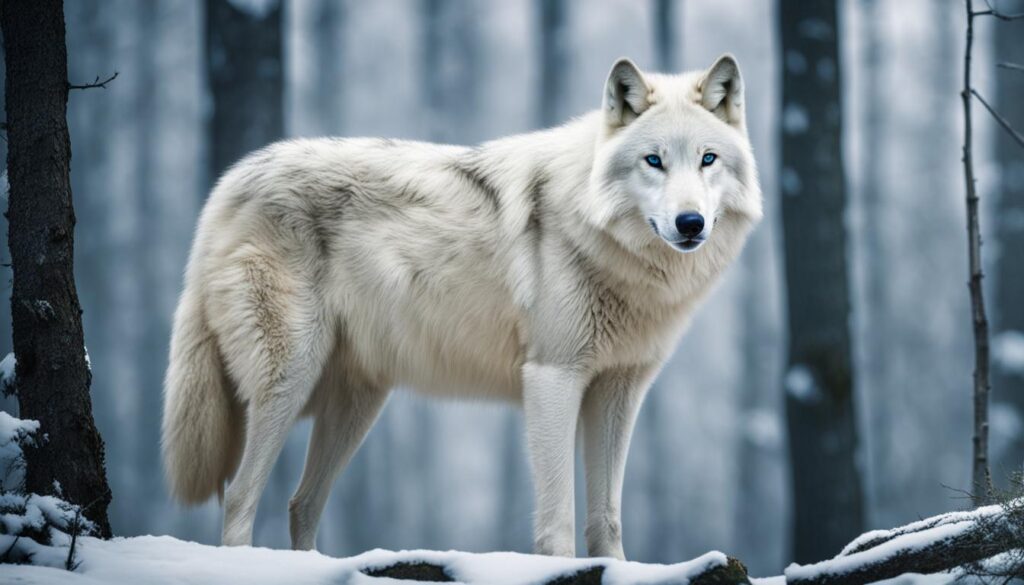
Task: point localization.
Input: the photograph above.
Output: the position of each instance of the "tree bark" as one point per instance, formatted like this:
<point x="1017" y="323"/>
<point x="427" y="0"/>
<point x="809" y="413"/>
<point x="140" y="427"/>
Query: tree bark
<point x="827" y="497"/>
<point x="246" y="76"/>
<point x="1008" y="221"/>
<point x="53" y="374"/>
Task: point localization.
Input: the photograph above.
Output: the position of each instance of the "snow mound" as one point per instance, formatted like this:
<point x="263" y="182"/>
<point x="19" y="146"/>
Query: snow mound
<point x="163" y="560"/>
<point x="30" y="523"/>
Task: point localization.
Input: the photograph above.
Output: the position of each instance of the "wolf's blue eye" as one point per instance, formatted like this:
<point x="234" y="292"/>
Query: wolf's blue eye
<point x="708" y="159"/>
<point x="653" y="160"/>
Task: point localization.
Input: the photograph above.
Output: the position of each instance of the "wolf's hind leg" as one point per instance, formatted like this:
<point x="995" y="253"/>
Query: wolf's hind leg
<point x="270" y="416"/>
<point x="340" y="424"/>
<point x="276" y="342"/>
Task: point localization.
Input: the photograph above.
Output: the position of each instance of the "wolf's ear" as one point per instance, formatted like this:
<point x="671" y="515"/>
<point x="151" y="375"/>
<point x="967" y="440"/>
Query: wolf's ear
<point x="625" y="94"/>
<point x="721" y="90"/>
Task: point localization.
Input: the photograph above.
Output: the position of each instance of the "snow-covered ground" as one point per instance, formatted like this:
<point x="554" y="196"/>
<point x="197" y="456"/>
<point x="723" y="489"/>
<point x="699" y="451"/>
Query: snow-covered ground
<point x="34" y="529"/>
<point x="163" y="560"/>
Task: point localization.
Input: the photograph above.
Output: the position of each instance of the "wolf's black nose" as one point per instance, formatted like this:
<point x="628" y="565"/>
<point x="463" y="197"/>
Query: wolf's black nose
<point x="690" y="224"/>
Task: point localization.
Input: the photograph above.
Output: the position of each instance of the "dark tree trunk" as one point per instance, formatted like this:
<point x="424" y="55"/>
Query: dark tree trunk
<point x="1008" y="386"/>
<point x="450" y="69"/>
<point x="819" y="400"/>
<point x="246" y="77"/>
<point x="329" y="50"/>
<point x="245" y="72"/>
<point x="665" y="41"/>
<point x="554" y="60"/>
<point x="52" y="373"/>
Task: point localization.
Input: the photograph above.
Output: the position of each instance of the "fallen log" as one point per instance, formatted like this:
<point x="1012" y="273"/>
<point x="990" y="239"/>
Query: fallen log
<point x="732" y="572"/>
<point x="941" y="543"/>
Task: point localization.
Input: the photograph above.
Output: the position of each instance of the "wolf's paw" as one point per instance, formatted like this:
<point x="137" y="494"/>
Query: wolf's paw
<point x="555" y="546"/>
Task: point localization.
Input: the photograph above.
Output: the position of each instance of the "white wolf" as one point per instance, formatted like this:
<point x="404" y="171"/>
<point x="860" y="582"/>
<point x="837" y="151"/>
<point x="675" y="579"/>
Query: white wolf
<point x="547" y="269"/>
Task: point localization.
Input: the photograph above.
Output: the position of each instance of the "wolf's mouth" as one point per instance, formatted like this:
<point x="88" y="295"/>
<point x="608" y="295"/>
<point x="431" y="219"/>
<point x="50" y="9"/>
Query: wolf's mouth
<point x="689" y="245"/>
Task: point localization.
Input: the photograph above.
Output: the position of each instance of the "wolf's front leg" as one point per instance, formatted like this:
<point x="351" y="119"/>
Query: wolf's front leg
<point x="609" y="410"/>
<point x="551" y="402"/>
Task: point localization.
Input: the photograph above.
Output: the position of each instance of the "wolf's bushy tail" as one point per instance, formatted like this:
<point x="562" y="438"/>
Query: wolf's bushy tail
<point x="202" y="436"/>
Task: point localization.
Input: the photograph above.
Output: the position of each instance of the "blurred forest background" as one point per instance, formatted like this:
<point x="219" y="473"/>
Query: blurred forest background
<point x="200" y="82"/>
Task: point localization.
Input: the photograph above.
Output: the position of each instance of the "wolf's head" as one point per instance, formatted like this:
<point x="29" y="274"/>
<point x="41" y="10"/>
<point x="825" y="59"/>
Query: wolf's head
<point x="674" y="154"/>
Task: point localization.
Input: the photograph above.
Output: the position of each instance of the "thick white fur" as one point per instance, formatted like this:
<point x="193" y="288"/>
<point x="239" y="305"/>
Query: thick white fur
<point x="538" y="269"/>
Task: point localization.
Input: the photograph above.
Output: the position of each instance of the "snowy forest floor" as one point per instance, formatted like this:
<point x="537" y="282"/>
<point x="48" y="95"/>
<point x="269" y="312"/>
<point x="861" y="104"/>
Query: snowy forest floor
<point x="160" y="560"/>
<point x="35" y="548"/>
<point x="34" y="531"/>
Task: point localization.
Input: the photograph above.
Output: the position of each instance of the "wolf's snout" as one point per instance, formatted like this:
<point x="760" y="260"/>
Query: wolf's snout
<point x="690" y="224"/>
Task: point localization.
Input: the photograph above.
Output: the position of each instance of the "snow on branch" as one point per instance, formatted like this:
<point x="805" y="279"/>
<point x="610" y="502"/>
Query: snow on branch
<point x="937" y="544"/>
<point x="30" y="524"/>
<point x="713" y="568"/>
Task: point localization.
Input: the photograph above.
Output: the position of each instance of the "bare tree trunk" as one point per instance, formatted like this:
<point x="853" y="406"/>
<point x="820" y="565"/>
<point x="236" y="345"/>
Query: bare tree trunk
<point x="450" y="69"/>
<point x="245" y="72"/>
<point x="53" y="374"/>
<point x="819" y="401"/>
<point x="329" y="99"/>
<point x="1008" y="383"/>
<point x="666" y="40"/>
<point x="979" y="321"/>
<point x="554" y="60"/>
<point x="246" y="77"/>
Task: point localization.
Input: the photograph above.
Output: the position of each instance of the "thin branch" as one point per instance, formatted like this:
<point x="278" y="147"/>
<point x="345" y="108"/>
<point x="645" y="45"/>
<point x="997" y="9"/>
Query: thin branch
<point x="993" y="12"/>
<point x="6" y="556"/>
<point x="1002" y="121"/>
<point x="96" y="83"/>
<point x="980" y="476"/>
<point x="70" y="563"/>
<point x="1013" y="66"/>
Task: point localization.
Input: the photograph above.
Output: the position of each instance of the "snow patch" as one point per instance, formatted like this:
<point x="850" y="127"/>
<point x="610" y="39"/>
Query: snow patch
<point x="15" y="430"/>
<point x="7" y="377"/>
<point x="900" y="545"/>
<point x="31" y="523"/>
<point x="1008" y="351"/>
<point x="163" y="560"/>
